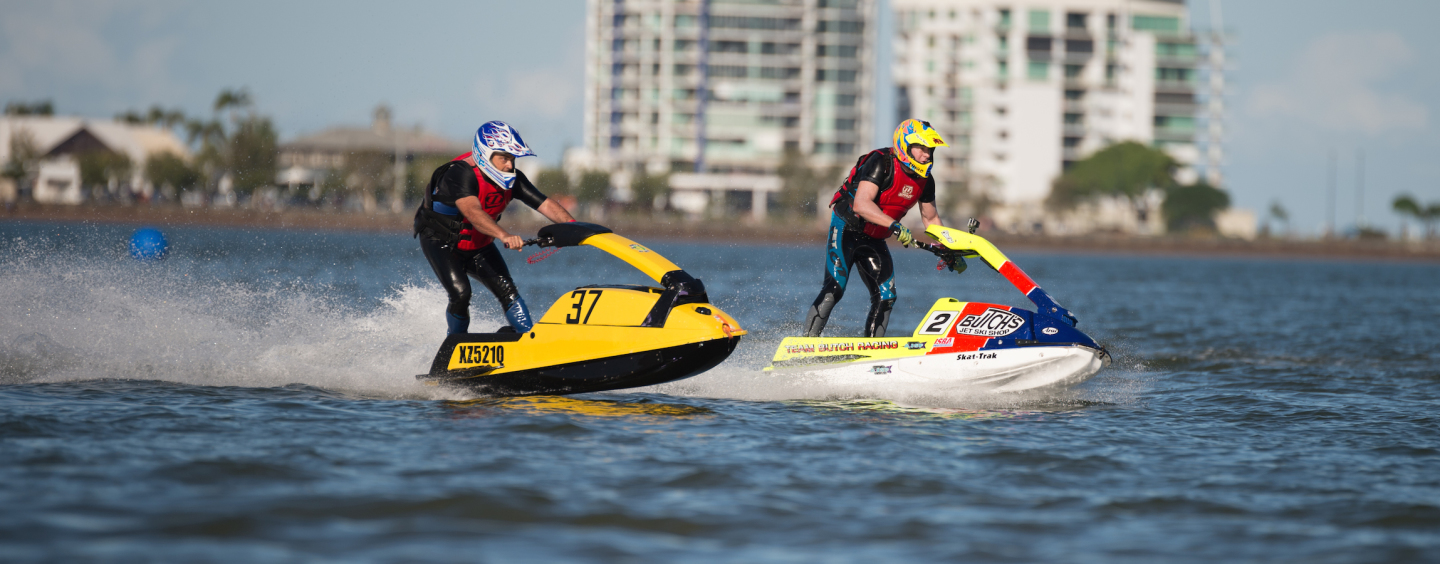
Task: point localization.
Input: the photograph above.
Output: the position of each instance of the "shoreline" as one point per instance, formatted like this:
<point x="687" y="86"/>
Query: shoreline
<point x="737" y="231"/>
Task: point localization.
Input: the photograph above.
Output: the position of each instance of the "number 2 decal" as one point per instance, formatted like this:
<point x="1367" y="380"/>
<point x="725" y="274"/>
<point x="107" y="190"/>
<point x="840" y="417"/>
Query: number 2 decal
<point x="938" y="322"/>
<point x="579" y="306"/>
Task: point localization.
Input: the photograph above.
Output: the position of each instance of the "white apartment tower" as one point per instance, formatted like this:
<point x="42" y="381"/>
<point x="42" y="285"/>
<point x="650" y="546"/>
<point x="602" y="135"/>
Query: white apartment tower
<point x="740" y="80"/>
<point x="1023" y="88"/>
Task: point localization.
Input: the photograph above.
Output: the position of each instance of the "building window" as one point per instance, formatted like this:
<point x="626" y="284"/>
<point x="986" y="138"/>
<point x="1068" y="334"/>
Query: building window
<point x="845" y="124"/>
<point x="837" y="26"/>
<point x="1074" y="95"/>
<point x="1184" y="51"/>
<point x="1079" y="46"/>
<point x="1072" y="142"/>
<point x="1072" y="72"/>
<point x="1038" y="70"/>
<point x="1157" y="24"/>
<point x="1005" y="19"/>
<point x="729" y="47"/>
<point x="845" y="100"/>
<point x="1174" y="74"/>
<point x="1074" y="119"/>
<point x="1075" y="21"/>
<point x="1004" y="70"/>
<point x="1003" y="44"/>
<point x="1175" y="123"/>
<point x="1039" y="21"/>
<point x="1034" y="43"/>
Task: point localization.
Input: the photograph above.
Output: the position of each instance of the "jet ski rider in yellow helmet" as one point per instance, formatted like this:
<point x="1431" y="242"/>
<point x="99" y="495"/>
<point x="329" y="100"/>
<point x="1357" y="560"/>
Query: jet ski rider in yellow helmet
<point x="881" y="188"/>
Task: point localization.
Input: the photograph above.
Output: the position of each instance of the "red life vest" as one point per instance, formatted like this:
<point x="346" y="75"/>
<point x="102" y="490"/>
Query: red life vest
<point x="493" y="199"/>
<point x="894" y="200"/>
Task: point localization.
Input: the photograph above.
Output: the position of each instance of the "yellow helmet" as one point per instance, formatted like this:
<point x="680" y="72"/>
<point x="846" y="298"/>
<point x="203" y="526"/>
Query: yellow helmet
<point x="916" y="132"/>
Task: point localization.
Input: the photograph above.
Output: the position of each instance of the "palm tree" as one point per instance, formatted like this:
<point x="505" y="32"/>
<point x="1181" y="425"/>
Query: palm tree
<point x="1405" y="205"/>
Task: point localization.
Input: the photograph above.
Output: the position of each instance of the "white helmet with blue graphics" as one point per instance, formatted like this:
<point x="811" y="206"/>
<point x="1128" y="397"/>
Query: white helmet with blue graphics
<point x="498" y="136"/>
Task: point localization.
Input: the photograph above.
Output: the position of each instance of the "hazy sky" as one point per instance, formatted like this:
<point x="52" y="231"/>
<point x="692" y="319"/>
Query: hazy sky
<point x="1309" y="77"/>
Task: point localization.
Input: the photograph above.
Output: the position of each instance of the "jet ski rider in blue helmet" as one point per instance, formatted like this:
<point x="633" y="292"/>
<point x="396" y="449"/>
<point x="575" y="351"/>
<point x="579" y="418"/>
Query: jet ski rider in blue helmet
<point x="459" y="221"/>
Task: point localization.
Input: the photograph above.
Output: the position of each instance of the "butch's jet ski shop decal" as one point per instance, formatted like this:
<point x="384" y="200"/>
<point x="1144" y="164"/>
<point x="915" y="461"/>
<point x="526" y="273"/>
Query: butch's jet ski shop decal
<point x="977" y="326"/>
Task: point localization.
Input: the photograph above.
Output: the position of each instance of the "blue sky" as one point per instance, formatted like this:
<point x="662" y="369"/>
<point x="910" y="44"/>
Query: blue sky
<point x="1309" y="77"/>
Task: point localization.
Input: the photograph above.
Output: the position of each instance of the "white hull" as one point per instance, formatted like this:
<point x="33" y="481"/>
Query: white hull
<point x="1003" y="370"/>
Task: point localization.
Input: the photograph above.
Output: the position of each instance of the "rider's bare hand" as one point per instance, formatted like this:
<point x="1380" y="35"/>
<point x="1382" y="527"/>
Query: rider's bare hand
<point x="513" y="242"/>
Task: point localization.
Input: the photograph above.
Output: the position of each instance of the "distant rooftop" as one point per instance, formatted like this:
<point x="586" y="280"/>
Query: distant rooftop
<point x="380" y="136"/>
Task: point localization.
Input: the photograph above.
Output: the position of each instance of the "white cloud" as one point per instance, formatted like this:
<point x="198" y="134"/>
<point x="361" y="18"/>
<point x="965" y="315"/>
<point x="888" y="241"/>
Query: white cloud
<point x="1336" y="84"/>
<point x="56" y="44"/>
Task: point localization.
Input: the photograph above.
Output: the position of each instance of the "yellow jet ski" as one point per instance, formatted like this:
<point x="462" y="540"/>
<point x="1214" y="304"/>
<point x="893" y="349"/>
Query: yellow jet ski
<point x="968" y="346"/>
<point x="599" y="337"/>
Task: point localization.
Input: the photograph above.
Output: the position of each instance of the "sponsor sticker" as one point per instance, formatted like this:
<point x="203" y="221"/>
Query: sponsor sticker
<point x="799" y="349"/>
<point x="974" y="356"/>
<point x="880" y="346"/>
<point x="879" y="369"/>
<point x="915" y="346"/>
<point x="946" y="235"/>
<point x="992" y="323"/>
<point x="1049" y="330"/>
<point x="639" y="248"/>
<point x="945" y="342"/>
<point x="835" y="347"/>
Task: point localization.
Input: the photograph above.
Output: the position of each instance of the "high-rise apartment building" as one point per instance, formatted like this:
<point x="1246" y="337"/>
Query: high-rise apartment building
<point x="1023" y="88"/>
<point x="725" y="86"/>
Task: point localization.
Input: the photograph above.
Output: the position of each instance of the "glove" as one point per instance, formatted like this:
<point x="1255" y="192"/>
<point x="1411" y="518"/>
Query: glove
<point x="902" y="234"/>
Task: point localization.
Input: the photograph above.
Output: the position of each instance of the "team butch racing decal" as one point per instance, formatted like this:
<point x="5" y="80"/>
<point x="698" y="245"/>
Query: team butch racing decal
<point x="992" y="323"/>
<point x="841" y="347"/>
<point x="480" y="354"/>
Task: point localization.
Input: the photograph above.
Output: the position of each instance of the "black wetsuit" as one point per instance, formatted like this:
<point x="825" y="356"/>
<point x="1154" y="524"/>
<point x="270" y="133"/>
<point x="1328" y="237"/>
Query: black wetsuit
<point x="452" y="181"/>
<point x="849" y="245"/>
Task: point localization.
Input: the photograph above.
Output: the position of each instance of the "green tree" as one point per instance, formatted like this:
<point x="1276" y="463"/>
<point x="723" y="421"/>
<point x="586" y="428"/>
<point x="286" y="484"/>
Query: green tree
<point x="253" y="151"/>
<point x="99" y="168"/>
<point x="1125" y="169"/>
<point x="594" y="187"/>
<point x="799" y="183"/>
<point x="1193" y="206"/>
<point x="40" y="108"/>
<point x="24" y="157"/>
<point x="364" y="173"/>
<point x="242" y="144"/>
<point x="1405" y="205"/>
<point x="553" y="182"/>
<point x="646" y="188"/>
<point x="168" y="169"/>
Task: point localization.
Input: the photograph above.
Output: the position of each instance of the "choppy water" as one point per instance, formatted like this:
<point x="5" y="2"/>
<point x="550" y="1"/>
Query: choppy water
<point x="252" y="398"/>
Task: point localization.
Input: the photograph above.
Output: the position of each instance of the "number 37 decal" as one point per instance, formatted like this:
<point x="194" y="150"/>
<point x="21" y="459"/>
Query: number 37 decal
<point x="579" y="306"/>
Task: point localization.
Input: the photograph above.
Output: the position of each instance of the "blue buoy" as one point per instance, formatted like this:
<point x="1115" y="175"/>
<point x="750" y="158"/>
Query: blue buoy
<point x="148" y="243"/>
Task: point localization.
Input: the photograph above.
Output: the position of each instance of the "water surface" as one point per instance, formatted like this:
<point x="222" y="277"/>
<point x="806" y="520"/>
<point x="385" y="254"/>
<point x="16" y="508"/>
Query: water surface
<point x="252" y="397"/>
